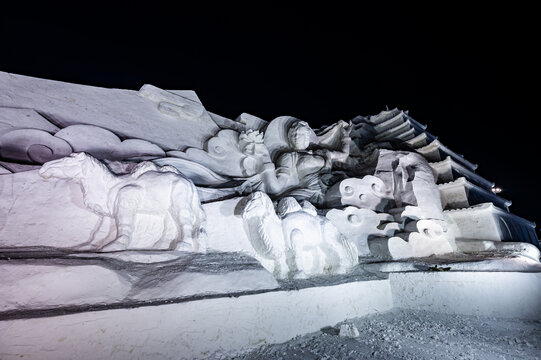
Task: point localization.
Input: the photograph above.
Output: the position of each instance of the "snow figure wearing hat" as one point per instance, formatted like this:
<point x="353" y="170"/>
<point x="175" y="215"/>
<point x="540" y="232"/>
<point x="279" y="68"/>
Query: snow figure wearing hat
<point x="297" y="158"/>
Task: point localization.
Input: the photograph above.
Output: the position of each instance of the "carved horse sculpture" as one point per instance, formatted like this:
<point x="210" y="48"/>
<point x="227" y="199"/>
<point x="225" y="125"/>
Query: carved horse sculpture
<point x="147" y="190"/>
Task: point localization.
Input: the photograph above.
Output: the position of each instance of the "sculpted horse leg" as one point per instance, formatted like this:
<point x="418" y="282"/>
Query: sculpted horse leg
<point x="126" y="205"/>
<point x="182" y="212"/>
<point x="294" y="253"/>
<point x="185" y="241"/>
<point x="166" y="241"/>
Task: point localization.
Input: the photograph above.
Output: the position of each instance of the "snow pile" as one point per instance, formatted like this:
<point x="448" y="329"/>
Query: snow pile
<point x="401" y="334"/>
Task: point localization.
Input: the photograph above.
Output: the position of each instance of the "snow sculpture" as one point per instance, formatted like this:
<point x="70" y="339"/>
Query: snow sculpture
<point x="368" y="192"/>
<point x="103" y="144"/>
<point x="358" y="225"/>
<point x="425" y="238"/>
<point x="170" y="200"/>
<point x="32" y="146"/>
<point x="412" y="183"/>
<point x="228" y="153"/>
<point x="299" y="243"/>
<point x="113" y="199"/>
<point x="128" y="114"/>
<point x="297" y="160"/>
<point x="302" y="201"/>
<point x="39" y="146"/>
<point x="172" y="104"/>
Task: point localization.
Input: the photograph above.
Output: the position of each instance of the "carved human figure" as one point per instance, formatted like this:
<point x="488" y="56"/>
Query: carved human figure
<point x="299" y="242"/>
<point x="298" y="170"/>
<point x="161" y="194"/>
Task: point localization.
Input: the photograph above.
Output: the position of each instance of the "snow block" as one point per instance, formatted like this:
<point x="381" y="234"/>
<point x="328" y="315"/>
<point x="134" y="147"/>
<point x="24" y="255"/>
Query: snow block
<point x="499" y="294"/>
<point x="194" y="329"/>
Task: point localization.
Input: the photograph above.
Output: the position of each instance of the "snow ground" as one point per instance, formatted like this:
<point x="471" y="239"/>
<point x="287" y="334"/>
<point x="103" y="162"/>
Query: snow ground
<point x="411" y="334"/>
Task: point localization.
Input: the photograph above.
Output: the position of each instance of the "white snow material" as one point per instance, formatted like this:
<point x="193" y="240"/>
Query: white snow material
<point x="225" y="226"/>
<point x="32" y="145"/>
<point x="103" y="144"/>
<point x="90" y="279"/>
<point x="357" y="225"/>
<point x="47" y="286"/>
<point x="186" y="284"/>
<point x="17" y="118"/>
<point x="34" y="207"/>
<point x="199" y="329"/>
<point x="194" y="329"/>
<point x="124" y="112"/>
<point x="487" y="246"/>
<point x="502" y="294"/>
<point x="428" y="238"/>
<point x="477" y="222"/>
<point x="153" y="208"/>
<point x="14" y="167"/>
<point x="251" y="121"/>
<point x="299" y="242"/>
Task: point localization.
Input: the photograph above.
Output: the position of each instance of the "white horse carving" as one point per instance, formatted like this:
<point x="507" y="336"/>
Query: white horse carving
<point x="157" y="193"/>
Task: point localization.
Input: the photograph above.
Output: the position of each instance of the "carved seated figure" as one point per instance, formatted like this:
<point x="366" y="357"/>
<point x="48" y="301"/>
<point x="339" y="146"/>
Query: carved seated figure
<point x="299" y="165"/>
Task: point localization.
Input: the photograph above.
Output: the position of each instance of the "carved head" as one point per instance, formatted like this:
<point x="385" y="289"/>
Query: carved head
<point x="259" y="205"/>
<point x="68" y="167"/>
<point x="299" y="135"/>
<point x="288" y="205"/>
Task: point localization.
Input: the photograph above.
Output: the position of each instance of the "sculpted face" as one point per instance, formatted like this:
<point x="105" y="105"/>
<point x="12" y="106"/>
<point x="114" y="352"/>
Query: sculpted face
<point x="299" y="135"/>
<point x="66" y="167"/>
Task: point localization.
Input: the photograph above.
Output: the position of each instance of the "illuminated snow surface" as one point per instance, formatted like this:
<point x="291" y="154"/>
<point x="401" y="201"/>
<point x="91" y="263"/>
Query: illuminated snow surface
<point x="407" y="334"/>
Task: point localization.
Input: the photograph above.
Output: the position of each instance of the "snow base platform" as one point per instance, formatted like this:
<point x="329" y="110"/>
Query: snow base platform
<point x="212" y="326"/>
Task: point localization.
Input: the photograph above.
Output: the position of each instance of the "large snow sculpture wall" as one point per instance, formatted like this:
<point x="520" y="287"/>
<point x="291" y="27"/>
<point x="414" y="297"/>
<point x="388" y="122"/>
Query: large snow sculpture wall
<point x="91" y="169"/>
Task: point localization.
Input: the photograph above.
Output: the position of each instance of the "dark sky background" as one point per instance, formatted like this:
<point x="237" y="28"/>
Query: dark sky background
<point x="471" y="73"/>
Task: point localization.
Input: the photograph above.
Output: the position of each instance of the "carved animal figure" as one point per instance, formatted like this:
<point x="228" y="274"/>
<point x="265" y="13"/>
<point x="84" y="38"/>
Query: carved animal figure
<point x="266" y="234"/>
<point x="160" y="194"/>
<point x="300" y="243"/>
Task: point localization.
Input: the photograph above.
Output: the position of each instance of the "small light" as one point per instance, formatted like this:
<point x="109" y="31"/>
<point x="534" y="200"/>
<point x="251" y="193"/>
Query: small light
<point x="496" y="190"/>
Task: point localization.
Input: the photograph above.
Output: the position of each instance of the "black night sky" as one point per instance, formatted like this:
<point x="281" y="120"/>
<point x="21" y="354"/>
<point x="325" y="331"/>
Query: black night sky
<point x="469" y="72"/>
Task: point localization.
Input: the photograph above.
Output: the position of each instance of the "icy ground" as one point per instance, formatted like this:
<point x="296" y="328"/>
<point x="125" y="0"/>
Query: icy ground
<point x="408" y="334"/>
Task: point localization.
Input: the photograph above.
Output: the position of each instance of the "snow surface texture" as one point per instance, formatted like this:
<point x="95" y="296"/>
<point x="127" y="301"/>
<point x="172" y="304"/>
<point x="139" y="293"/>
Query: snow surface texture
<point x="299" y="243"/>
<point x="170" y="199"/>
<point x="190" y="329"/>
<point x="412" y="334"/>
<point x="221" y="324"/>
<point x="144" y="215"/>
<point x="377" y="166"/>
<point x="88" y="281"/>
<point x="126" y="113"/>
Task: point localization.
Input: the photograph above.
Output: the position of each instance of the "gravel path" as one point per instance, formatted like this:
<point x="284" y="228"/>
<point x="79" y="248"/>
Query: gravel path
<point x="406" y="334"/>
